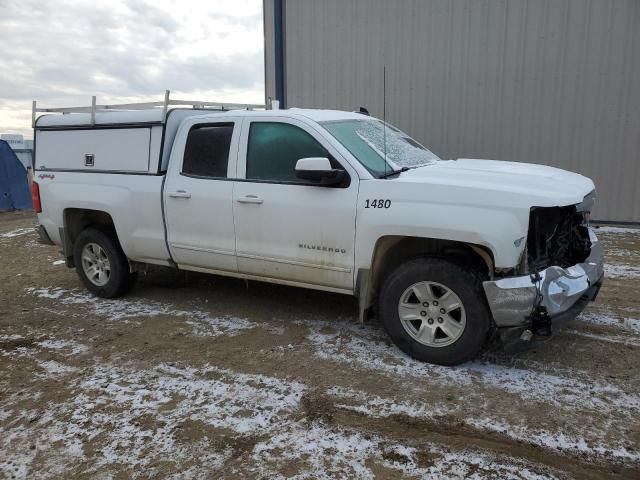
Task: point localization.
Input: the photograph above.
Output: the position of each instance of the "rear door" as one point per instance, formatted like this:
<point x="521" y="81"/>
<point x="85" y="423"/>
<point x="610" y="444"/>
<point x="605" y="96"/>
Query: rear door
<point x="286" y="227"/>
<point x="198" y="195"/>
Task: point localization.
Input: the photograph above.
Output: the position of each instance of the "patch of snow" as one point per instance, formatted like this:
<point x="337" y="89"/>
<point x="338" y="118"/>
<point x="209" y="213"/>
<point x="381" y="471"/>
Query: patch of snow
<point x="32" y="243"/>
<point x="16" y="352"/>
<point x="603" y="337"/>
<point x="617" y="270"/>
<point x="59" y="262"/>
<point x="133" y="417"/>
<point x="31" y="350"/>
<point x="375" y="406"/>
<point x="632" y="231"/>
<point x="378" y="407"/>
<point x="10" y="337"/>
<point x="332" y="452"/>
<point x="476" y="466"/>
<point x="362" y="348"/>
<point x="327" y="452"/>
<point x="620" y="252"/>
<point x="370" y="348"/>
<point x="54" y="368"/>
<point x="17" y="465"/>
<point x="72" y="348"/>
<point x="630" y="324"/>
<point x="275" y="330"/>
<point x="17" y="232"/>
<point x="216" y="396"/>
<point x="28" y="434"/>
<point x="52" y="293"/>
<point x="560" y="390"/>
<point x="121" y="309"/>
<point x="555" y="441"/>
<point x="206" y="326"/>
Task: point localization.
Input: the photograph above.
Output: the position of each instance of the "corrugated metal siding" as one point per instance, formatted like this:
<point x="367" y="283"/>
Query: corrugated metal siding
<point x="544" y="81"/>
<point x="269" y="50"/>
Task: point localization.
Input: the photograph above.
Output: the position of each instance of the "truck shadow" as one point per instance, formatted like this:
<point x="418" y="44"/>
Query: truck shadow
<point x="245" y="298"/>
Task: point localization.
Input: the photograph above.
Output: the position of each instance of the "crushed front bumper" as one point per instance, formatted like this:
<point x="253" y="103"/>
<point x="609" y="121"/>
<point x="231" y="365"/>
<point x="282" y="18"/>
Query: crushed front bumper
<point x="564" y="291"/>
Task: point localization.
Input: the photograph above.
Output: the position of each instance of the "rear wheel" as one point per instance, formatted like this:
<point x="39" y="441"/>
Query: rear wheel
<point x="101" y="264"/>
<point x="435" y="311"/>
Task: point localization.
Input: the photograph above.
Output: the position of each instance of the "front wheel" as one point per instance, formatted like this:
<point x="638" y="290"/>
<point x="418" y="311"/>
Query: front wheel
<point x="435" y="311"/>
<point x="101" y="264"/>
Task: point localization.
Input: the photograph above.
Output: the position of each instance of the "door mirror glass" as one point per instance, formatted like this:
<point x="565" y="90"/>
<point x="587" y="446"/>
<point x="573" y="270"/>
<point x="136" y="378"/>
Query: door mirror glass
<point x="318" y="169"/>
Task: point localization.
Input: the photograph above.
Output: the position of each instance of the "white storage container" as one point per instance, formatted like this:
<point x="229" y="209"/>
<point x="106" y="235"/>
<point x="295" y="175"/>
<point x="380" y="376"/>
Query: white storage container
<point x="122" y="150"/>
<point x="117" y="142"/>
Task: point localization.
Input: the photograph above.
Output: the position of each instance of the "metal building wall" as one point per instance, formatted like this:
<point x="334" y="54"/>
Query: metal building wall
<point x="555" y="82"/>
<point x="269" y="49"/>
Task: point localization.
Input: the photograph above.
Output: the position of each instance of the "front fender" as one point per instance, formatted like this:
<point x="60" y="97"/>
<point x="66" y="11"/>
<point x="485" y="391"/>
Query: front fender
<point x="502" y="232"/>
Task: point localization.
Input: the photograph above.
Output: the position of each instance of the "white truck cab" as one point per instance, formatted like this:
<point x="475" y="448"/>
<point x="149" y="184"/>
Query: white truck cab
<point x="452" y="253"/>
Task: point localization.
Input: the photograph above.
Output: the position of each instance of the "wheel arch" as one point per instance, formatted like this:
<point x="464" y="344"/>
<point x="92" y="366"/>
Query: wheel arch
<point x="75" y="220"/>
<point x="391" y="251"/>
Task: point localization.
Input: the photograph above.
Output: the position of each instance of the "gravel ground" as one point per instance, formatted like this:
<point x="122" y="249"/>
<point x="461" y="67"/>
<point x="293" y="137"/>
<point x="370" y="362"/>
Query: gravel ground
<point x="193" y="376"/>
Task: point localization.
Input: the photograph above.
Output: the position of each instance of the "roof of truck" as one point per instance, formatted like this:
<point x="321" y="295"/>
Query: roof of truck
<point x="155" y="116"/>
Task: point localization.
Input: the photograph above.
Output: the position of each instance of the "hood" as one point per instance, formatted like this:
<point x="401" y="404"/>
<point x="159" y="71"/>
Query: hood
<point x="535" y="185"/>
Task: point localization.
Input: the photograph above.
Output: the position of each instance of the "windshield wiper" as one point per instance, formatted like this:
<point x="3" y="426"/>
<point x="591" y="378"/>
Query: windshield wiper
<point x="393" y="172"/>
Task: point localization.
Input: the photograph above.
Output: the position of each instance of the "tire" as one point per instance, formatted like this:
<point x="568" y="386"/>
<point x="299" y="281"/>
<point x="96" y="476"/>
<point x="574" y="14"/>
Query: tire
<point x="101" y="264"/>
<point x="441" y="333"/>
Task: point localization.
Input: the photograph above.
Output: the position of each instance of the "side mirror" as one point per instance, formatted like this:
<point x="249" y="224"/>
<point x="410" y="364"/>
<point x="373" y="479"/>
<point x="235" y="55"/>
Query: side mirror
<point x="318" y="169"/>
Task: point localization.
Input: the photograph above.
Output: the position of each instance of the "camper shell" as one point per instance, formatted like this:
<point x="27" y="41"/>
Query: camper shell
<point x="125" y="138"/>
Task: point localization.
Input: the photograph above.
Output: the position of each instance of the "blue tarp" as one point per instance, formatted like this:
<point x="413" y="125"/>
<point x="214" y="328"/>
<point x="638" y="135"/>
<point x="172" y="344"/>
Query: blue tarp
<point x="14" y="185"/>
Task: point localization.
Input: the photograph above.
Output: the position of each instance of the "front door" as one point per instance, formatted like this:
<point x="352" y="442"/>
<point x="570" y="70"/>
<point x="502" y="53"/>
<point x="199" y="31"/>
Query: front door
<point x="198" y="195"/>
<point x="288" y="228"/>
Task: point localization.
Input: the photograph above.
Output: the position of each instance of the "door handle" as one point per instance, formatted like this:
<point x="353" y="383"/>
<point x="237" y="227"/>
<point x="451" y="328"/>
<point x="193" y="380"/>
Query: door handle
<point x="180" y="194"/>
<point x="250" y="199"/>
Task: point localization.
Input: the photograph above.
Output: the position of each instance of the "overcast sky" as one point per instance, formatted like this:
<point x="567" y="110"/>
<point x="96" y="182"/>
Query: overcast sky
<point x="60" y="52"/>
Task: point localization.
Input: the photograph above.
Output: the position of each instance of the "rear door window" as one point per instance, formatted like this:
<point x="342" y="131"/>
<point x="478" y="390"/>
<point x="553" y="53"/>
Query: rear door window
<point x="206" y="153"/>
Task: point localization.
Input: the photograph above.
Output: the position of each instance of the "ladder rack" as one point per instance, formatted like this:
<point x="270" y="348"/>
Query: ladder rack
<point x="195" y="104"/>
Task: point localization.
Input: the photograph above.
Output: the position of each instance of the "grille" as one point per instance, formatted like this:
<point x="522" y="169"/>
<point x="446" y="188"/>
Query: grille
<point x="557" y="236"/>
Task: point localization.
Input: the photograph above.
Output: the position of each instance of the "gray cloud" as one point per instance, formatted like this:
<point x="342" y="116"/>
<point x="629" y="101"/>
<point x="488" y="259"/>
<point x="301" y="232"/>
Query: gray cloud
<point x="60" y="50"/>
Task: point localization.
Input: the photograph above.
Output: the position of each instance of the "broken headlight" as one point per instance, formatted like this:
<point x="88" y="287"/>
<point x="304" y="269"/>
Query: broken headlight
<point x="557" y="236"/>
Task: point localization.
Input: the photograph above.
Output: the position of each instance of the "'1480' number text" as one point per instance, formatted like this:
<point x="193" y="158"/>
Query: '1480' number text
<point x="379" y="203"/>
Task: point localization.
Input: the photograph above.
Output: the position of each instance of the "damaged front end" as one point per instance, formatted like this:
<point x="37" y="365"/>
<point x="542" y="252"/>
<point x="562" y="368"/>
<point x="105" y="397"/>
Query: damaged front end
<point x="564" y="268"/>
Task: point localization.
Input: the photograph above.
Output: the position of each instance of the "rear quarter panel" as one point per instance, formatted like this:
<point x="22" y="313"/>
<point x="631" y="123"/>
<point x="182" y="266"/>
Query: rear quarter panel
<point x="132" y="201"/>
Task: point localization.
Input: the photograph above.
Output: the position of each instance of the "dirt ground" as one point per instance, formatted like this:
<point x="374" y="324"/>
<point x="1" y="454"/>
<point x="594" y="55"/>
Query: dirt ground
<point x="196" y="376"/>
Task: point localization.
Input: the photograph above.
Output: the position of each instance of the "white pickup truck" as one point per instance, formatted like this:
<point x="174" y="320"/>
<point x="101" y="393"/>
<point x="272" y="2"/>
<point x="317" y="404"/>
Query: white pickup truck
<point x="450" y="253"/>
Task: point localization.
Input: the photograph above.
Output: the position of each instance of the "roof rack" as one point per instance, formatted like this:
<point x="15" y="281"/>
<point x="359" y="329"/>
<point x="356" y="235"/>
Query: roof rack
<point x="196" y="104"/>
